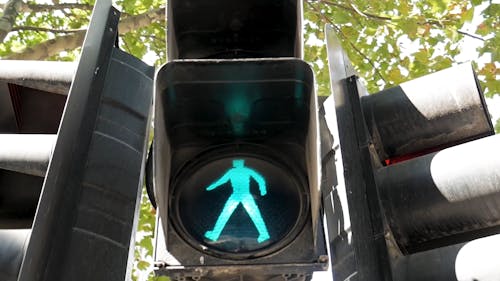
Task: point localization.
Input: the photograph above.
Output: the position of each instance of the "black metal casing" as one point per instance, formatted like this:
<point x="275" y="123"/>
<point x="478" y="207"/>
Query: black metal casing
<point x="260" y="107"/>
<point x="236" y="88"/>
<point x="225" y="29"/>
<point x="85" y="216"/>
<point x="417" y="176"/>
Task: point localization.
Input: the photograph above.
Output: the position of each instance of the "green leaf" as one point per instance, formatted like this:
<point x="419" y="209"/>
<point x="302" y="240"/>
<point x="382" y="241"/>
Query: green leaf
<point x="143" y="265"/>
<point x="422" y="56"/>
<point x="395" y="76"/>
<point x="483" y="29"/>
<point x="404" y="8"/>
<point x="468" y="15"/>
<point x="406" y="62"/>
<point x="438" y="6"/>
<point x="409" y="27"/>
<point x="350" y="31"/>
<point x="341" y="17"/>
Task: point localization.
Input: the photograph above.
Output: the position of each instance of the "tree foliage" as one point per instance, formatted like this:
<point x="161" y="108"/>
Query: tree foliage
<point x="55" y="31"/>
<point x="388" y="42"/>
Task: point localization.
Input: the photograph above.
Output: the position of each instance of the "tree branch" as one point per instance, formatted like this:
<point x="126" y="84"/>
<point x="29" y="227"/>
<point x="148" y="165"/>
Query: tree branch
<point x="393" y="20"/>
<point x="50" y="47"/>
<point x="42" y="29"/>
<point x="353" y="9"/>
<point x="471" y="35"/>
<point x="369" y="15"/>
<point x="10" y="12"/>
<point x="72" y="41"/>
<point x="31" y="7"/>
<point x="155" y="38"/>
<point x="327" y="20"/>
<point x="134" y="22"/>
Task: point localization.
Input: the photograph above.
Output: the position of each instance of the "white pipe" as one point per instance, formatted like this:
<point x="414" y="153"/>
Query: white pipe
<point x="26" y="153"/>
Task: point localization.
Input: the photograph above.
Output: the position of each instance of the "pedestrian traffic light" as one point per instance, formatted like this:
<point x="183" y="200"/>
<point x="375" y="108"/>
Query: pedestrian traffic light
<point x="236" y="168"/>
<point x="417" y="170"/>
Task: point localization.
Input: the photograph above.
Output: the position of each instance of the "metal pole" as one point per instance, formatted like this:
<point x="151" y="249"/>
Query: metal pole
<point x="12" y="246"/>
<point x="26" y="153"/>
<point x="358" y="249"/>
<point x="50" y="76"/>
<point x="443" y="198"/>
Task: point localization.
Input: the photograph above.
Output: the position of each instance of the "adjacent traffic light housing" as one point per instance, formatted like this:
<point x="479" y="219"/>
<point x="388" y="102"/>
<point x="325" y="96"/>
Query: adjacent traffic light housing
<point x="417" y="174"/>
<point x="73" y="192"/>
<point x="235" y="162"/>
<point x="31" y="104"/>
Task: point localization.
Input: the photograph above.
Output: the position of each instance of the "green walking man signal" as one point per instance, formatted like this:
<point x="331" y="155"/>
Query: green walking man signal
<point x="240" y="176"/>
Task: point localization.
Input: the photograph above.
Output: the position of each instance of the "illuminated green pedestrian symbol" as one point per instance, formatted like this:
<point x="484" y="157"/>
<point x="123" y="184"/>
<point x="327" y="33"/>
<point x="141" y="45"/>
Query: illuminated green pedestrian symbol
<point x="240" y="176"/>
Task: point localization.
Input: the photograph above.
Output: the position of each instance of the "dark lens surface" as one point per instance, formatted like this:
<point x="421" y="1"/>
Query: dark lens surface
<point x="253" y="221"/>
